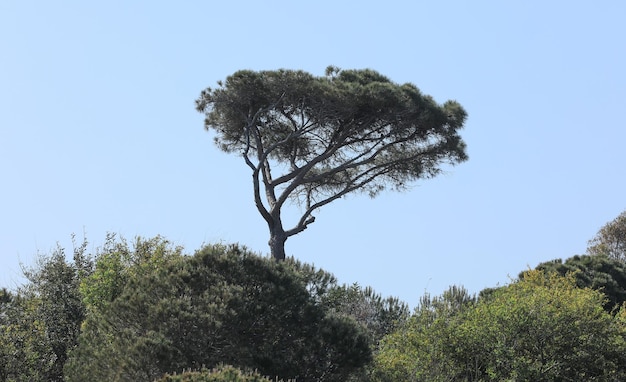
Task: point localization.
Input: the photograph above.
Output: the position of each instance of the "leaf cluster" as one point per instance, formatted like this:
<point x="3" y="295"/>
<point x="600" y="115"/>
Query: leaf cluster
<point x="224" y="304"/>
<point x="218" y="374"/>
<point x="610" y="239"/>
<point x="539" y="328"/>
<point x="40" y="322"/>
<point x="599" y="272"/>
<point x="380" y="316"/>
<point x="348" y="131"/>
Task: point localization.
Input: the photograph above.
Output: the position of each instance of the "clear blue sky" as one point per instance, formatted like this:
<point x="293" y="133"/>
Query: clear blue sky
<point x="98" y="131"/>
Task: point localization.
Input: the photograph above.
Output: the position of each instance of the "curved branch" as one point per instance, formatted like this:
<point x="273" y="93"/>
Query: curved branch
<point x="354" y="184"/>
<point x="307" y="218"/>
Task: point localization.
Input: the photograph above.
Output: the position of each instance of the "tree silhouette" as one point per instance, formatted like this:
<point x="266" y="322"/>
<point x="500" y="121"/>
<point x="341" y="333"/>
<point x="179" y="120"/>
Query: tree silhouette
<point x="313" y="140"/>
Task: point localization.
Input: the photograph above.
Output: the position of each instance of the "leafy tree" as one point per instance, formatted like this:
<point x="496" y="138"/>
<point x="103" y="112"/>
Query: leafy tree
<point x="219" y="374"/>
<point x="599" y="272"/>
<point x="222" y="305"/>
<point x="540" y="328"/>
<point x="119" y="261"/>
<point x="25" y="350"/>
<point x="315" y="139"/>
<point x="54" y="284"/>
<point x="380" y="316"/>
<point x="452" y="301"/>
<point x="40" y="322"/>
<point x="419" y="350"/>
<point x="611" y="239"/>
<point x="543" y="328"/>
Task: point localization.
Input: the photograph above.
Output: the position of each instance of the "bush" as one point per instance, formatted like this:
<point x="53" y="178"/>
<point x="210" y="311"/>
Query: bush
<point x="219" y="374"/>
<point x="223" y="305"/>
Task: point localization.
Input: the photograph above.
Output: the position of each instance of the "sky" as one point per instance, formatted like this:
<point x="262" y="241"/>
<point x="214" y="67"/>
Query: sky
<point x="99" y="133"/>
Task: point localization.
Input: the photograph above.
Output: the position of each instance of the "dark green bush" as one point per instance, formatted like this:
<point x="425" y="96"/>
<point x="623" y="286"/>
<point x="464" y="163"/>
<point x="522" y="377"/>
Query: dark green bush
<point x="223" y="305"/>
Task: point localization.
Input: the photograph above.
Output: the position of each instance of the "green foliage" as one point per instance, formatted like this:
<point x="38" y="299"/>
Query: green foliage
<point x="419" y="350"/>
<point x="222" y="305"/>
<point x="219" y="374"/>
<point x="348" y="131"/>
<point x="380" y="316"/>
<point x="540" y="328"/>
<point x="118" y="262"/>
<point x="599" y="272"/>
<point x="25" y="350"/>
<point x="611" y="239"/>
<point x="40" y="323"/>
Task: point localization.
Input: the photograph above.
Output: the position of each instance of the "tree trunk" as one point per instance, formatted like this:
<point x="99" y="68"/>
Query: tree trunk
<point x="277" y="243"/>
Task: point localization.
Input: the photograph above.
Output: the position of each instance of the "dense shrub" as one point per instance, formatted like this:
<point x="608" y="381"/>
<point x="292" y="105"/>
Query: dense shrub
<point x="222" y="305"/>
<point x="219" y="374"/>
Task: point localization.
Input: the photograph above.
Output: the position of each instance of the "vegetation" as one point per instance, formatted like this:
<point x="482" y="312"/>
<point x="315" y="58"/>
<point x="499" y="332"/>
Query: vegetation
<point x="603" y="268"/>
<point x="611" y="239"/>
<point x="40" y="323"/>
<point x="419" y="350"/>
<point x="540" y="328"/>
<point x="146" y="311"/>
<point x="315" y="139"/>
<point x="220" y="374"/>
<point x="136" y="311"/>
<point x="221" y="305"/>
<point x="599" y="272"/>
